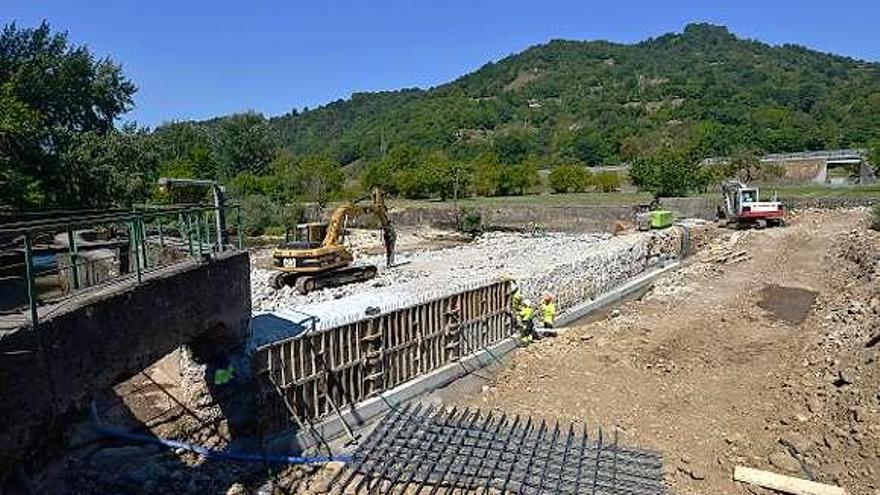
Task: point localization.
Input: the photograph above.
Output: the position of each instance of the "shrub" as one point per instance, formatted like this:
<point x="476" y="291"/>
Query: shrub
<point x="569" y="178"/>
<point x="470" y="221"/>
<point x="607" y="181"/>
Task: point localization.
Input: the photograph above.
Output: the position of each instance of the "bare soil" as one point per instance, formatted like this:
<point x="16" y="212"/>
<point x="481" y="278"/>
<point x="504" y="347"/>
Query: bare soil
<point x="761" y="359"/>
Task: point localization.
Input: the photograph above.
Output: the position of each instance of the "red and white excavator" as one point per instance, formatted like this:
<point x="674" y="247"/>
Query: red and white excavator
<point x="743" y="207"/>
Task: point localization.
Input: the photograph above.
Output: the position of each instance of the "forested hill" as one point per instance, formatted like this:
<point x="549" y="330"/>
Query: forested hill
<point x="660" y="104"/>
<point x="600" y="102"/>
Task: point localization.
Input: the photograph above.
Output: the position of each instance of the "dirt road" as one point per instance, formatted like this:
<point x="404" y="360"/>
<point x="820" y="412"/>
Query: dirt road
<point x="728" y="361"/>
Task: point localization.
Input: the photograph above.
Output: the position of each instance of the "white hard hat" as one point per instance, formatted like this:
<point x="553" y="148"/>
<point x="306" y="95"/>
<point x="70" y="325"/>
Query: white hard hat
<point x="527" y="302"/>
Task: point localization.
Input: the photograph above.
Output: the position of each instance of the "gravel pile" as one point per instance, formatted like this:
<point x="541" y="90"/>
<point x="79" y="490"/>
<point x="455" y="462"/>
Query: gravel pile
<point x="575" y="267"/>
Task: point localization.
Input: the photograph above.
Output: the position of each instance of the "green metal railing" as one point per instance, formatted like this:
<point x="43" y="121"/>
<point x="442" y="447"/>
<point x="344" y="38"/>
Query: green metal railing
<point x="55" y="262"/>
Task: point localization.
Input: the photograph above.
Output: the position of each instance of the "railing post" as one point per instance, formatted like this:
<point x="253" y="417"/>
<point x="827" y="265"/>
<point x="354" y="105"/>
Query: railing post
<point x="132" y="234"/>
<point x="30" y="273"/>
<point x="185" y="219"/>
<point x="142" y="229"/>
<point x="159" y="227"/>
<point x="220" y="216"/>
<point x="72" y="257"/>
<point x="238" y="230"/>
<point x="199" y="232"/>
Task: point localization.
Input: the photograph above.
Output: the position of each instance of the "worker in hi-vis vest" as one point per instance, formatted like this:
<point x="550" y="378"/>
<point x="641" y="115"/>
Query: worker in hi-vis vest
<point x="548" y="310"/>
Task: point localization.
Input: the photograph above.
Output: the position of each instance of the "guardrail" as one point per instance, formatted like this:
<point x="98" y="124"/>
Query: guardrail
<point x="48" y="261"/>
<point x="318" y="372"/>
<point x="815" y="155"/>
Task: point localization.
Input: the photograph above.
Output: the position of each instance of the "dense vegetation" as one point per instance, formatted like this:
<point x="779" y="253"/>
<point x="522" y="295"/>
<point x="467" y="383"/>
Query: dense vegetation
<point x="600" y="102"/>
<point x="661" y="105"/>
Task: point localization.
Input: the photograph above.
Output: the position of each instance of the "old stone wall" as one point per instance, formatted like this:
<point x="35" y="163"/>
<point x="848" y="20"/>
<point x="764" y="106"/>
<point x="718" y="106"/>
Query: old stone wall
<point x="551" y="218"/>
<point x="97" y="341"/>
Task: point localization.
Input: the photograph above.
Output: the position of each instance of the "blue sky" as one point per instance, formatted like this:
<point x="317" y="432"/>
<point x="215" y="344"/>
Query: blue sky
<point x="195" y="59"/>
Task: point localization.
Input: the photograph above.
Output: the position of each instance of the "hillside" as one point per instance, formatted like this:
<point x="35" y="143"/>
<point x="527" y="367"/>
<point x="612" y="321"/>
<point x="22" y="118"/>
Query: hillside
<point x="601" y="102"/>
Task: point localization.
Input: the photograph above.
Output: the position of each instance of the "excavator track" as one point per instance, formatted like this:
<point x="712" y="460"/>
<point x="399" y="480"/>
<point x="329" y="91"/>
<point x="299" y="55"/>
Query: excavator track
<point x="334" y="278"/>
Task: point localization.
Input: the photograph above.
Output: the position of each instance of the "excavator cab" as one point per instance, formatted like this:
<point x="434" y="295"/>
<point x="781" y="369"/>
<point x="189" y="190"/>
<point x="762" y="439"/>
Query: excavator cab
<point x="305" y="236"/>
<point x="318" y="259"/>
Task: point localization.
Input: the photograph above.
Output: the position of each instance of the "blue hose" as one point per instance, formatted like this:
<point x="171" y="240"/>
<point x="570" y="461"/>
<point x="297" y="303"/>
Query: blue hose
<point x="210" y="453"/>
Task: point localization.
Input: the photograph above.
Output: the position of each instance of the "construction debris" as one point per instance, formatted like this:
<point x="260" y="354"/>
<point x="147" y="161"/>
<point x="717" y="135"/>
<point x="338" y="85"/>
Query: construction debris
<point x="784" y="484"/>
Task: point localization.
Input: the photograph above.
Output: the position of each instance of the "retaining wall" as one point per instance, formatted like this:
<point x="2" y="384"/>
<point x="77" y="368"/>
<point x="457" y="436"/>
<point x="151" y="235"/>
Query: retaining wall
<point x="609" y="265"/>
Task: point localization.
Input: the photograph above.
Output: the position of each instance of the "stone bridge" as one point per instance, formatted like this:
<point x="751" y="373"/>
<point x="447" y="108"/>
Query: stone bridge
<point x="70" y="344"/>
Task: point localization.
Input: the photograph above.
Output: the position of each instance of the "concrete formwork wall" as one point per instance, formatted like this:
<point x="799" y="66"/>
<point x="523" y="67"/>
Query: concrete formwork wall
<point x="347" y="364"/>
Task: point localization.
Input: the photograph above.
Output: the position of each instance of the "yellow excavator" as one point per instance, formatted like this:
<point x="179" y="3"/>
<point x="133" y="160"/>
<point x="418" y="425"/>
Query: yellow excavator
<point x="309" y="264"/>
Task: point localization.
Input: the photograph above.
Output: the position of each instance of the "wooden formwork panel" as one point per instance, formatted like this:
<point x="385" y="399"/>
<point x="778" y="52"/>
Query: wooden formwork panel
<point x="309" y="376"/>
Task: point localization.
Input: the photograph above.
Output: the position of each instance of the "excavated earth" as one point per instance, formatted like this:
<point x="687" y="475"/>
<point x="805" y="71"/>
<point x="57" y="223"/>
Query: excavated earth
<point x="762" y="352"/>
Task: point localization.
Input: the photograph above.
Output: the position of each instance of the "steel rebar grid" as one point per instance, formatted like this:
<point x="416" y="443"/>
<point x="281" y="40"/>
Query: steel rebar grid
<point x="427" y="450"/>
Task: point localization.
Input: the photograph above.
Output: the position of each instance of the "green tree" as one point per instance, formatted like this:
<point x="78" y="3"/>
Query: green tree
<point x="319" y="179"/>
<point x="588" y="147"/>
<point x="744" y="165"/>
<point x="186" y="148"/>
<point x="669" y="172"/>
<point x="247" y="184"/>
<point x="50" y="93"/>
<point x="19" y="124"/>
<point x="119" y="168"/>
<point x="244" y="143"/>
<point x="519" y="179"/>
<point x="380" y="173"/>
<point x="513" y="145"/>
<point x="569" y="178"/>
<point x="487" y="174"/>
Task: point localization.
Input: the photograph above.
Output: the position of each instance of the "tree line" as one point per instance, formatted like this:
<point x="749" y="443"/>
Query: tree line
<point x="542" y="117"/>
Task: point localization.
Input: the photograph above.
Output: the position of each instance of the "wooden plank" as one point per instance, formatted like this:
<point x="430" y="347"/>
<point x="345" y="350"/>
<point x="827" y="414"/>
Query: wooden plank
<point x="785" y="484"/>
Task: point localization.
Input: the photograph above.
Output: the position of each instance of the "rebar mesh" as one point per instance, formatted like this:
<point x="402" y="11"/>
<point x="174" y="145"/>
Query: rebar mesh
<point x="429" y="450"/>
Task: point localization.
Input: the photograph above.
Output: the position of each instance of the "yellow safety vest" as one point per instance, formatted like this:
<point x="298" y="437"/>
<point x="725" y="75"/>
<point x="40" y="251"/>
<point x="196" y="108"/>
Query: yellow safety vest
<point x="549" y="310"/>
<point x="527" y="313"/>
<point x="517" y="299"/>
<point x="223" y="376"/>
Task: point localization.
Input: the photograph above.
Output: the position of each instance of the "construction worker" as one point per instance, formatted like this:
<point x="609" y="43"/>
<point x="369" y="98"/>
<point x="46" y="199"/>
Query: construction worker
<point x="389" y="238"/>
<point x="527" y="319"/>
<point x="548" y="310"/>
<point x="516" y="298"/>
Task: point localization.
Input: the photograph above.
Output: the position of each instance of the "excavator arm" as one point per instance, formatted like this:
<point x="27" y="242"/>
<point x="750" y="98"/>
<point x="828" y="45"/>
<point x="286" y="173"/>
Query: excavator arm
<point x="353" y="210"/>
